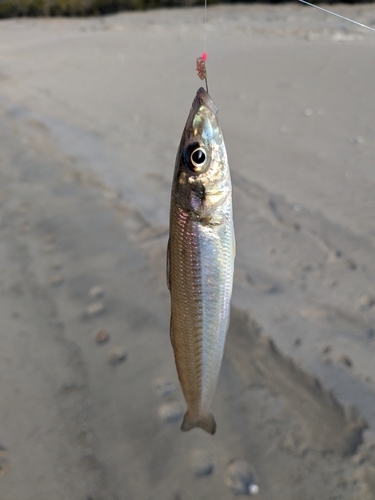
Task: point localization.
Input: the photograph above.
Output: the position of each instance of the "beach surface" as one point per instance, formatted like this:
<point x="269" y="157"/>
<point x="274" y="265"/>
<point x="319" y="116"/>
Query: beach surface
<point x="91" y="116"/>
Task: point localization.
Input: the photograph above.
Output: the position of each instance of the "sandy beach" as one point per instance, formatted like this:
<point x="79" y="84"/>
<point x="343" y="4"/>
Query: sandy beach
<point x="91" y="115"/>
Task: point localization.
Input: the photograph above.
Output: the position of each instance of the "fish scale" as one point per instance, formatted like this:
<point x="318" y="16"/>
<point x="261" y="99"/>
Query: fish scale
<point x="200" y="260"/>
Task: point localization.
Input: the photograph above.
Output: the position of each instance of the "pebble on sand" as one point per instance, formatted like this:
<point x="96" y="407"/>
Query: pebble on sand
<point x="95" y="309"/>
<point x="49" y="248"/>
<point x="357" y="139"/>
<point x="327" y="349"/>
<point x="344" y="360"/>
<point x="4" y="466"/>
<point x="56" y="264"/>
<point x="201" y="463"/>
<point x="358" y="459"/>
<point x="333" y="255"/>
<point x="101" y="336"/>
<point x="366" y="301"/>
<point x="96" y="292"/>
<point x="267" y="287"/>
<point x="170" y="412"/>
<point x="56" y="280"/>
<point x="22" y="209"/>
<point x="25" y="227"/>
<point x="163" y="387"/>
<point x="240" y="478"/>
<point x="116" y="356"/>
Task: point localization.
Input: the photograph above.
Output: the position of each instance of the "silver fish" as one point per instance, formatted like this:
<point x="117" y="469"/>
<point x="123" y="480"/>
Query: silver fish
<point x="200" y="259"/>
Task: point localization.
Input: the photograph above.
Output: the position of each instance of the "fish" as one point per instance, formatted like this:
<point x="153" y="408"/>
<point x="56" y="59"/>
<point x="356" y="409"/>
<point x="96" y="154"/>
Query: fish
<point x="200" y="260"/>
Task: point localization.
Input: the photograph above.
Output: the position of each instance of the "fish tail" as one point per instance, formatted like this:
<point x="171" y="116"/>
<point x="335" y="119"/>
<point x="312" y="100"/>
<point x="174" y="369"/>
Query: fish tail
<point x="205" y="422"/>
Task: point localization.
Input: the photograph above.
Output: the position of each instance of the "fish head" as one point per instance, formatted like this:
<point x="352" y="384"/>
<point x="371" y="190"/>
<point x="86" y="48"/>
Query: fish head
<point x="202" y="180"/>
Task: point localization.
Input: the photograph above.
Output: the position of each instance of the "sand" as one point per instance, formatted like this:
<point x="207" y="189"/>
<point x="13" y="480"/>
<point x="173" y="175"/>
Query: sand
<point x="91" y="115"/>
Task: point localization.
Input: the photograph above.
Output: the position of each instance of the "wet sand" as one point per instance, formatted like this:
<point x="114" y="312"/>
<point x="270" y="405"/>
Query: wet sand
<point x="92" y="111"/>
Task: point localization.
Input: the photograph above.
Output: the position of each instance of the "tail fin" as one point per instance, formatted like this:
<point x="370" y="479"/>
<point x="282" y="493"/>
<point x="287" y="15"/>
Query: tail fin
<point x="205" y="422"/>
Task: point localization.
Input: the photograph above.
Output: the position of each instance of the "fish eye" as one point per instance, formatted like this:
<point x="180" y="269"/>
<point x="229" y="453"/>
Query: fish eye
<point x="196" y="157"/>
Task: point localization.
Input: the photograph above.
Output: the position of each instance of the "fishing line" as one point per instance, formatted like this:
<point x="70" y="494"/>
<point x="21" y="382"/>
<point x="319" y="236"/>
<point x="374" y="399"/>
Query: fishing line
<point x="201" y="61"/>
<point x="337" y="15"/>
<point x="205" y="28"/>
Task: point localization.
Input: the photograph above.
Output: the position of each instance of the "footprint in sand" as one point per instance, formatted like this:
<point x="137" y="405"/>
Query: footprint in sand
<point x="22" y="209"/>
<point x="25" y="227"/>
<point x="327" y="349"/>
<point x="163" y="387"/>
<point x="56" y="265"/>
<point x="49" y="238"/>
<point x="56" y="280"/>
<point x="365" y="302"/>
<point x="95" y="309"/>
<point x="96" y="292"/>
<point x="116" y="356"/>
<point x="49" y="248"/>
<point x="4" y="462"/>
<point x="240" y="478"/>
<point x="201" y="463"/>
<point x="170" y="412"/>
<point x="343" y="359"/>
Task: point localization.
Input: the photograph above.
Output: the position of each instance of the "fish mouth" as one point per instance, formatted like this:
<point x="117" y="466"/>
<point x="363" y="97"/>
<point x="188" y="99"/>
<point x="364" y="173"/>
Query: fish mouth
<point x="203" y="99"/>
<point x="202" y="124"/>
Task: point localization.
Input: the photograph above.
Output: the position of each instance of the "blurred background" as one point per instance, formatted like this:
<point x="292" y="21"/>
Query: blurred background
<point x="15" y="8"/>
<point x="92" y="110"/>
